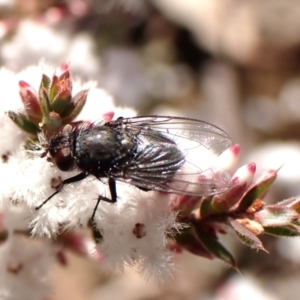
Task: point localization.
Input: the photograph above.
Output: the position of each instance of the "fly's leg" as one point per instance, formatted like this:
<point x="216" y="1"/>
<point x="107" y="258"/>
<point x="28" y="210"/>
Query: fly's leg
<point x="75" y="178"/>
<point x="112" y="189"/>
<point x="113" y="193"/>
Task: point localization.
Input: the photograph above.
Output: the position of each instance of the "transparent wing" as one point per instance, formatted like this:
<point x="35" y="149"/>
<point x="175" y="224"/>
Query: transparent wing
<point x="175" y="155"/>
<point x="193" y="131"/>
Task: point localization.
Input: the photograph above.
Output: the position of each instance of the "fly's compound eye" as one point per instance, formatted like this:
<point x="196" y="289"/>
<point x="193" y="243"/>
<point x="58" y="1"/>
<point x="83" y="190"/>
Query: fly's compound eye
<point x="63" y="159"/>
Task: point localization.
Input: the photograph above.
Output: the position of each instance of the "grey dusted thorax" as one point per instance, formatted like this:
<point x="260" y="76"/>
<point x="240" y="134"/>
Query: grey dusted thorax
<point x="103" y="149"/>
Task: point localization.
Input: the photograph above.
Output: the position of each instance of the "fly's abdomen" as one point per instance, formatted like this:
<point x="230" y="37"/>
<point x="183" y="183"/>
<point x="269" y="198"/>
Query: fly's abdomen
<point x="155" y="162"/>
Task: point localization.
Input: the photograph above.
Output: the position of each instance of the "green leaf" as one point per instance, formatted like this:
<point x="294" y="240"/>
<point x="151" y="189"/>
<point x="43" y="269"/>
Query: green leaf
<point x="44" y="101"/>
<point x="65" y="74"/>
<point x="53" y="90"/>
<point x="245" y="235"/>
<point x="296" y="222"/>
<point x="75" y="107"/>
<point x="23" y="122"/>
<point x="188" y="240"/>
<point x="31" y="102"/>
<point x="284" y="231"/>
<point x="258" y="190"/>
<point x="223" y="202"/>
<point x="293" y="202"/>
<point x="275" y="216"/>
<point x="60" y="104"/>
<point x="214" y="247"/>
<point x="51" y="123"/>
<point x="206" y="208"/>
<point x="46" y="82"/>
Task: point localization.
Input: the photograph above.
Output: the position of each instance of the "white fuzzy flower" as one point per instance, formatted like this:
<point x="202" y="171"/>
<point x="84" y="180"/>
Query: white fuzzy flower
<point x="134" y="229"/>
<point x="34" y="39"/>
<point x="24" y="268"/>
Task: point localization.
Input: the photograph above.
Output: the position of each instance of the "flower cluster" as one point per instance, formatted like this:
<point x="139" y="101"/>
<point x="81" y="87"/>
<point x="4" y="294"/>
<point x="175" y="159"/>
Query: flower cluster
<point x="240" y="209"/>
<point x="143" y="229"/>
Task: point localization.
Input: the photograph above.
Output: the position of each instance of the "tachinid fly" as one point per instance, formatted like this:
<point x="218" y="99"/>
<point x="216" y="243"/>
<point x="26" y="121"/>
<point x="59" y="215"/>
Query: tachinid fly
<point x="161" y="153"/>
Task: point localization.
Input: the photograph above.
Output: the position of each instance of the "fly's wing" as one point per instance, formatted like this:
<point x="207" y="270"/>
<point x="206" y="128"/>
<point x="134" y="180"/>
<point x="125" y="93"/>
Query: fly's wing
<point x="175" y="155"/>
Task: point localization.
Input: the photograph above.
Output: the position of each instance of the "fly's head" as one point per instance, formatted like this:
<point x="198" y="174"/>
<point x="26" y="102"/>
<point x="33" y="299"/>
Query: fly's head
<point x="60" y="148"/>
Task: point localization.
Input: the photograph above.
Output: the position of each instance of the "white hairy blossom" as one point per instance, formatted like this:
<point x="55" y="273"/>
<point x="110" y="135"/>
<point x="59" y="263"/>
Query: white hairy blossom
<point x="24" y="268"/>
<point x="134" y="229"/>
<point x="32" y="39"/>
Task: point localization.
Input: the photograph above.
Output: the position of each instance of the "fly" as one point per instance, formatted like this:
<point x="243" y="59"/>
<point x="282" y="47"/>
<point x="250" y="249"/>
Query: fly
<point x="152" y="153"/>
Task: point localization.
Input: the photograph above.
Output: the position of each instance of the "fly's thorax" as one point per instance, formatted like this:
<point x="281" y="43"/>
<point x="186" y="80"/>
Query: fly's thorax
<point x="61" y="149"/>
<point x="100" y="149"/>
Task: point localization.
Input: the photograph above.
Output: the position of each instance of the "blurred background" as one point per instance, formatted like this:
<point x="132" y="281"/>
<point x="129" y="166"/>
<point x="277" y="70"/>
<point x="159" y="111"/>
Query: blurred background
<point x="232" y="63"/>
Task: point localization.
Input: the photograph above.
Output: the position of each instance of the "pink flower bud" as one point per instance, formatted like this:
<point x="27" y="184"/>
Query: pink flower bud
<point x="228" y="160"/>
<point x="108" y="116"/>
<point x="31" y="102"/>
<point x="244" y="174"/>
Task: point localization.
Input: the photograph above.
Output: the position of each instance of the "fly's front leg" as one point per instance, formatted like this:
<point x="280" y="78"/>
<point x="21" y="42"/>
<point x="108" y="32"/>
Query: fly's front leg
<point x="75" y="178"/>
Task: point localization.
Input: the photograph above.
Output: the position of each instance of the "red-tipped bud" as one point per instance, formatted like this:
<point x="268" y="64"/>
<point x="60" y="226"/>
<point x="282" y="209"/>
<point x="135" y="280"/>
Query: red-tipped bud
<point x="257" y="190"/>
<point x="60" y="95"/>
<point x="63" y="71"/>
<point x="31" y="101"/>
<point x="228" y="160"/>
<point x="244" y="174"/>
<point x="184" y="204"/>
<point x="81" y="245"/>
<point x="107" y="117"/>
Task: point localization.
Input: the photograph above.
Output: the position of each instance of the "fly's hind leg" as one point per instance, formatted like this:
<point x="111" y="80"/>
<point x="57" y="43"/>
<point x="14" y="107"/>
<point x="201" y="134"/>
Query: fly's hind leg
<point x="113" y="194"/>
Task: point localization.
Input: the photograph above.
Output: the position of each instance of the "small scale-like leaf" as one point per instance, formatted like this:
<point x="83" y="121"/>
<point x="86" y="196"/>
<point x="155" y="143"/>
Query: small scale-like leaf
<point x="46" y="82"/>
<point x="44" y="101"/>
<point x="297" y="222"/>
<point x="206" y="208"/>
<point x="184" y="204"/>
<point x="23" y="122"/>
<point x="283" y="231"/>
<point x="223" y="202"/>
<point x="258" y="190"/>
<point x="275" y="216"/>
<point x="64" y="68"/>
<point x="214" y="247"/>
<point x="51" y="124"/>
<point x="53" y="90"/>
<point x="60" y="103"/>
<point x="31" y="102"/>
<point x="62" y="97"/>
<point x="293" y="202"/>
<point x="75" y="107"/>
<point x="68" y="109"/>
<point x="245" y="235"/>
<point x="188" y="240"/>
